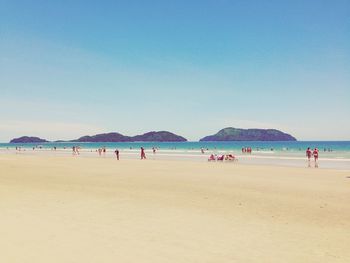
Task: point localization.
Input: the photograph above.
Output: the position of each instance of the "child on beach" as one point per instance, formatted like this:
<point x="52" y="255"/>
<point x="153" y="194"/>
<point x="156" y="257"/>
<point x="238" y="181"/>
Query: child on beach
<point x="117" y="153"/>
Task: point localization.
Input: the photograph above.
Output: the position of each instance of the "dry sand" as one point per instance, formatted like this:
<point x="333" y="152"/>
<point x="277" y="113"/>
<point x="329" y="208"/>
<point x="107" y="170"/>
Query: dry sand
<point x="71" y="209"/>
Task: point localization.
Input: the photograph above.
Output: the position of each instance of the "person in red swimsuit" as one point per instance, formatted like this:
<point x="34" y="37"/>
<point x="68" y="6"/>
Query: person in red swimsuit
<point x="143" y="155"/>
<point x="308" y="155"/>
<point x="315" y="154"/>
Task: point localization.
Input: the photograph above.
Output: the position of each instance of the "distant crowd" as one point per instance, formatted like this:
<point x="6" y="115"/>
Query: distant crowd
<point x="311" y="154"/>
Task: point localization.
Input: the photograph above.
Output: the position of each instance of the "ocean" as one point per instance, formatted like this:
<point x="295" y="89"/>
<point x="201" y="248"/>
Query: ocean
<point x="332" y="154"/>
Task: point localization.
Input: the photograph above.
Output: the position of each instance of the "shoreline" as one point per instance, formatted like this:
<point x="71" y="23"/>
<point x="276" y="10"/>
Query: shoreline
<point x="245" y="159"/>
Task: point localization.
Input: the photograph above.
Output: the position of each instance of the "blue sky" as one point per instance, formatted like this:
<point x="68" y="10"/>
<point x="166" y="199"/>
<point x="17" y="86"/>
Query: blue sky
<point x="72" y="68"/>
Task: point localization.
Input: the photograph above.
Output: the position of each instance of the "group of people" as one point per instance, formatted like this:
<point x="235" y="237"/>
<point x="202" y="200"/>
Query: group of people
<point x="102" y="150"/>
<point x="116" y="152"/>
<point x="226" y="157"/>
<point x="312" y="153"/>
<point x="247" y="150"/>
<point x="75" y="150"/>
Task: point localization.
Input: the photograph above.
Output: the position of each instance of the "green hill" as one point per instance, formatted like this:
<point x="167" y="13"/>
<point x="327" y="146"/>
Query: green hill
<point x="28" y="139"/>
<point x="235" y="134"/>
<point x="104" y="137"/>
<point x="161" y="136"/>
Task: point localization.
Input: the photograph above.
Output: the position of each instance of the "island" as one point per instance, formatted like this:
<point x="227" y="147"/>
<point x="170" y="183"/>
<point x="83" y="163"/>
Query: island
<point x="104" y="137"/>
<point x="153" y="136"/>
<point x="236" y="134"/>
<point x="28" y="139"/>
<point x="161" y="136"/>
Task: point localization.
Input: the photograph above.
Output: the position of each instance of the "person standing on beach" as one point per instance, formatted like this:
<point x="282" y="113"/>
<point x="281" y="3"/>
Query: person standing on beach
<point x="117" y="153"/>
<point x="315" y="154"/>
<point x="143" y="155"/>
<point x="308" y="155"/>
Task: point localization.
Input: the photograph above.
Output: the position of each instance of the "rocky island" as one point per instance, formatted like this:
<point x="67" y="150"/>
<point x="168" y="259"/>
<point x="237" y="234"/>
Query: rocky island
<point x="104" y="137"/>
<point x="153" y="136"/>
<point x="28" y="139"/>
<point x="235" y="134"/>
<point x="161" y="136"/>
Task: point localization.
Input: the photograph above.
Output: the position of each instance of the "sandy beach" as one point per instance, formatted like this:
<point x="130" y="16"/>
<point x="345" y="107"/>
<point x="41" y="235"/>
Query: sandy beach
<point x="73" y="209"/>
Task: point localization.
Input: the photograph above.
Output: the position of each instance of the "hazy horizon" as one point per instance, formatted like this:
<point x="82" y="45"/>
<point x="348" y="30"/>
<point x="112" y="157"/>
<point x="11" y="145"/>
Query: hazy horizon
<point x="77" y="68"/>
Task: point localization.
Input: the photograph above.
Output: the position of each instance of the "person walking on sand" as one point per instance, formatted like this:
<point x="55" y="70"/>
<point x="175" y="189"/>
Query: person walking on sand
<point x="308" y="155"/>
<point x="143" y="155"/>
<point x="315" y="154"/>
<point x="117" y="154"/>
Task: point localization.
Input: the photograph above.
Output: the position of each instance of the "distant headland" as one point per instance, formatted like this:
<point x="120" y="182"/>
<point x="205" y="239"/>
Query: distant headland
<point x="235" y="134"/>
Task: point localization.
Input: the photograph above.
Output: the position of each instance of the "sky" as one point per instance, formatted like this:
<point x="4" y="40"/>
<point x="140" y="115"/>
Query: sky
<point x="72" y="68"/>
